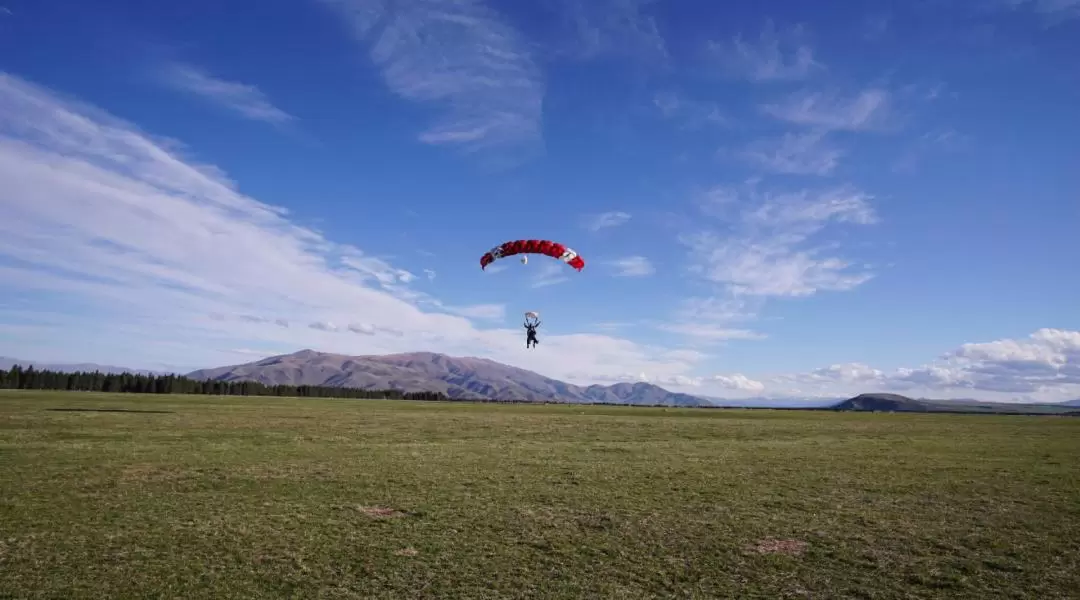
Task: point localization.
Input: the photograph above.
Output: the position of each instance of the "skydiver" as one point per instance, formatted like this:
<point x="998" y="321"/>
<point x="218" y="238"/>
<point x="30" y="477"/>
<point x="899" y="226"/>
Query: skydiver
<point x="530" y="334"/>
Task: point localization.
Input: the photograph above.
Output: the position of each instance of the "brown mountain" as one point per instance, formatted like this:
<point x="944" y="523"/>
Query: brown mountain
<point x="898" y="403"/>
<point x="458" y="377"/>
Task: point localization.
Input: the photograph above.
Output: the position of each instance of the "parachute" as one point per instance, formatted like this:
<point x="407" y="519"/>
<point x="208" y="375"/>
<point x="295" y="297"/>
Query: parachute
<point x="532" y="317"/>
<point x="545" y="247"/>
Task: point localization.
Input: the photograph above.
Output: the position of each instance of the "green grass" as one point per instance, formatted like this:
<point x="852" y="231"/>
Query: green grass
<point x="265" y="497"/>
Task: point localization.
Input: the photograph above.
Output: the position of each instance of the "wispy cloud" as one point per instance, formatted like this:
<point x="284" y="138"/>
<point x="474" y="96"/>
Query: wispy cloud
<point x="1053" y="11"/>
<point x="691" y="113"/>
<point x="875" y="27"/>
<point x="550" y="273"/>
<point x="867" y="110"/>
<point x="613" y="26"/>
<point x="243" y="99"/>
<point x="99" y="216"/>
<point x="946" y="140"/>
<point x="714" y="319"/>
<point x="766" y="251"/>
<point x="605" y="220"/>
<point x="633" y="266"/>
<point x="462" y="55"/>
<point x="795" y="153"/>
<point x="773" y="56"/>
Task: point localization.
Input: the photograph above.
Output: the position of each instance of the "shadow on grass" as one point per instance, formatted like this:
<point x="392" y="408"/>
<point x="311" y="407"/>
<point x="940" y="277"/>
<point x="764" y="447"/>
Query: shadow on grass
<point x="112" y="410"/>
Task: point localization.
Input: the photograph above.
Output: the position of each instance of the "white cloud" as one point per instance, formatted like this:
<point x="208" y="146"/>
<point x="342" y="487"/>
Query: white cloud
<point x="795" y="154"/>
<point x="1043" y="367"/>
<point x="243" y="99"/>
<point x="459" y="54"/>
<point x="375" y="269"/>
<point x="765" y="251"/>
<point x="737" y="382"/>
<point x="168" y="263"/>
<point x="774" y="56"/>
<point x="633" y="266"/>
<point x="613" y="218"/>
<point x="867" y="110"/>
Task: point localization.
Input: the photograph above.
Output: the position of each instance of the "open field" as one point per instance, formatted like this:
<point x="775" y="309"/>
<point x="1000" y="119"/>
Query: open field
<point x="263" y="497"/>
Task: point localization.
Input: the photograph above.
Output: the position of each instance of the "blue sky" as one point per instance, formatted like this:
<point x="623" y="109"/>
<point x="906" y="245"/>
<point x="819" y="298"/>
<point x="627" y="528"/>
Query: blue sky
<point x="772" y="199"/>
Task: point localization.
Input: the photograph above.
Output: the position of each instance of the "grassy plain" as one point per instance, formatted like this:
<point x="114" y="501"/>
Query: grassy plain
<point x="265" y="497"/>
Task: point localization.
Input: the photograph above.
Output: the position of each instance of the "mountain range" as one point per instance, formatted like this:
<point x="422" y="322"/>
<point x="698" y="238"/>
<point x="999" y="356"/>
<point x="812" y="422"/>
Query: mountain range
<point x="7" y="363"/>
<point x="460" y="378"/>
<point x="468" y="378"/>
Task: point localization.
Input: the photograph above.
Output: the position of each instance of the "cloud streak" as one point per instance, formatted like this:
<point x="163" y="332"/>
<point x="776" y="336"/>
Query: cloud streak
<point x="865" y="111"/>
<point x="460" y="55"/>
<point x="691" y="113"/>
<point x="633" y="266"/>
<point x="795" y="154"/>
<point x="243" y="99"/>
<point x="606" y="220"/>
<point x="773" y="56"/>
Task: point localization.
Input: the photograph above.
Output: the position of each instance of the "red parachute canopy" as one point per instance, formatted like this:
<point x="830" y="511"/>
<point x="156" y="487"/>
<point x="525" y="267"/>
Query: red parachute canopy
<point x="546" y="247"/>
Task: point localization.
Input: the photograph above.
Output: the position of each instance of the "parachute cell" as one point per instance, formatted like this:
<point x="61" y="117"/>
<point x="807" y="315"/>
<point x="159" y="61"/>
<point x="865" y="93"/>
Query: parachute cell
<point x="545" y="247"/>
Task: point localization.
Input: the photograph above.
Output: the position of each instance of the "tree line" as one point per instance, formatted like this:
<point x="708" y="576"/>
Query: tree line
<point x="29" y="378"/>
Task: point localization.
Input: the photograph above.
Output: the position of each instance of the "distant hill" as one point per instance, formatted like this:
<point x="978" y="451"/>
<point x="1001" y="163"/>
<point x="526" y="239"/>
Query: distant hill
<point x="459" y="378"/>
<point x="7" y="363"/>
<point x="1072" y="403"/>
<point x="882" y="402"/>
<point x="898" y="403"/>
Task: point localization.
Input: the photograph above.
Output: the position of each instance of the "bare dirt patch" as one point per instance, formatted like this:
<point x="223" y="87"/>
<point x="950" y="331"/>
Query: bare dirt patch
<point x="381" y="512"/>
<point x="775" y="546"/>
<point x="410" y="551"/>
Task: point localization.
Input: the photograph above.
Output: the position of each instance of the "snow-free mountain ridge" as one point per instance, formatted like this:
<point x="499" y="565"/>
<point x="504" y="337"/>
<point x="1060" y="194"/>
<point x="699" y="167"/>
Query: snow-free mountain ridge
<point x="460" y="378"/>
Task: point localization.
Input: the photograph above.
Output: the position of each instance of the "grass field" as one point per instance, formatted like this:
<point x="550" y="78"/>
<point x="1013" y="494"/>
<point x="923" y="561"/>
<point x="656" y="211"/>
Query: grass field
<point x="264" y="497"/>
